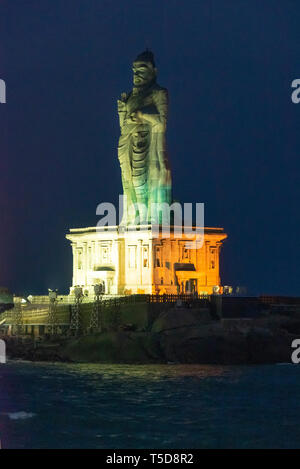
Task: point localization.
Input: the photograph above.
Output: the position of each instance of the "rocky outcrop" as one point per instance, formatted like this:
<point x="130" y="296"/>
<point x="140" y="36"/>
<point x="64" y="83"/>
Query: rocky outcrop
<point x="115" y="347"/>
<point x="31" y="351"/>
<point x="177" y="336"/>
<point x="186" y="338"/>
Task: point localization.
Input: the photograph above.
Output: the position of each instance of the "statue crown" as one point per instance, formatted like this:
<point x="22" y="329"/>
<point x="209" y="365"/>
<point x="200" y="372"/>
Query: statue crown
<point x="146" y="56"/>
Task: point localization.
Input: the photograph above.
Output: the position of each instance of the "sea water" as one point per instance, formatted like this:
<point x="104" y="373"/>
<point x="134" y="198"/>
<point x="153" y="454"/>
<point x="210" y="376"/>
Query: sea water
<point x="46" y="405"/>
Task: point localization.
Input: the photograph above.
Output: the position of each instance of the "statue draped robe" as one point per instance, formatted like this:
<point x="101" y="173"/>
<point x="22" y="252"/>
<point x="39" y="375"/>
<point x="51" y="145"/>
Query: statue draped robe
<point x="146" y="176"/>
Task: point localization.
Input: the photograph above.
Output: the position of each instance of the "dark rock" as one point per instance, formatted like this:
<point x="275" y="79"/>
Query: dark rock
<point x="177" y="336"/>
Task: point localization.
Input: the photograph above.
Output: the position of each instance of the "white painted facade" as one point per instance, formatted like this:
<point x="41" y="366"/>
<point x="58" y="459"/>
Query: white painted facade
<point x="134" y="262"/>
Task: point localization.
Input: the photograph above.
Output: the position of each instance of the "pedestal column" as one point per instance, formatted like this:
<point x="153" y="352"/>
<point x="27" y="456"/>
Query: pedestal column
<point x="75" y="262"/>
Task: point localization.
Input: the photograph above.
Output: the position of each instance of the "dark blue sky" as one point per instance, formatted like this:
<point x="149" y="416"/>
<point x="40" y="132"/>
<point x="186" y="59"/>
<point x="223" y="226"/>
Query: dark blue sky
<point x="233" y="131"/>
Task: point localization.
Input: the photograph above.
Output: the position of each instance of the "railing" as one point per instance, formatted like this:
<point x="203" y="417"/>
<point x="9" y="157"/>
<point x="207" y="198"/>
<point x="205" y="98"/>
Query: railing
<point x="135" y="299"/>
<point x="174" y="298"/>
<point x="283" y="300"/>
<point x="33" y="316"/>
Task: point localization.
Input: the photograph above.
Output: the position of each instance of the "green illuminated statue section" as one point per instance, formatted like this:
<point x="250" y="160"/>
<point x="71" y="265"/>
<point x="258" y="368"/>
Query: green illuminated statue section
<point x="146" y="175"/>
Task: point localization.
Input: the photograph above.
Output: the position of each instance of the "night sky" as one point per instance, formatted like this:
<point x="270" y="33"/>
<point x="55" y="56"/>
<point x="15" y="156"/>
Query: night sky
<point x="233" y="131"/>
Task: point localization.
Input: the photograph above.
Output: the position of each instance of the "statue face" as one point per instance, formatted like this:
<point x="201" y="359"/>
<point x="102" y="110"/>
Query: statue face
<point x="143" y="73"/>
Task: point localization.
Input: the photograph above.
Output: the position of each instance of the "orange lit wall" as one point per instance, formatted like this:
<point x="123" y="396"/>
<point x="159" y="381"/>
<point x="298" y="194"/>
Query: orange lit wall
<point x="178" y="269"/>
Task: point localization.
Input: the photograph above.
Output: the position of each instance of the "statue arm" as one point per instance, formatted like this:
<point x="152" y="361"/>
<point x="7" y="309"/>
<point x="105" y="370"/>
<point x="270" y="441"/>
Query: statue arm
<point x="160" y="99"/>
<point x="122" y="115"/>
<point x="122" y="109"/>
<point x="161" y="102"/>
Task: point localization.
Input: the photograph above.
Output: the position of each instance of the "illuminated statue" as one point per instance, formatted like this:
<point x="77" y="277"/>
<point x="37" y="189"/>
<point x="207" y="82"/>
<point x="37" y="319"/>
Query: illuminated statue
<point x="146" y="175"/>
<point x="156" y="260"/>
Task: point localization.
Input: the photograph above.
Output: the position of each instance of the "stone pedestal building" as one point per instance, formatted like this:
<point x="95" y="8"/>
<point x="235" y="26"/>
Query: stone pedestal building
<point x="134" y="262"/>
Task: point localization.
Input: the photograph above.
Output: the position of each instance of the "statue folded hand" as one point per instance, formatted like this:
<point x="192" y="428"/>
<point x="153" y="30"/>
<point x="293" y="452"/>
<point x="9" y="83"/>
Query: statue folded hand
<point x="121" y="106"/>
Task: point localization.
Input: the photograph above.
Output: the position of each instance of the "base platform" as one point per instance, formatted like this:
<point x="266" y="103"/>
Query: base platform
<point x="144" y="260"/>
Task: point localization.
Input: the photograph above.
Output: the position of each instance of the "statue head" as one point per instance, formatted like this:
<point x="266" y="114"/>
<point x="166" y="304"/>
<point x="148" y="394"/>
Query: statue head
<point x="144" y="71"/>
